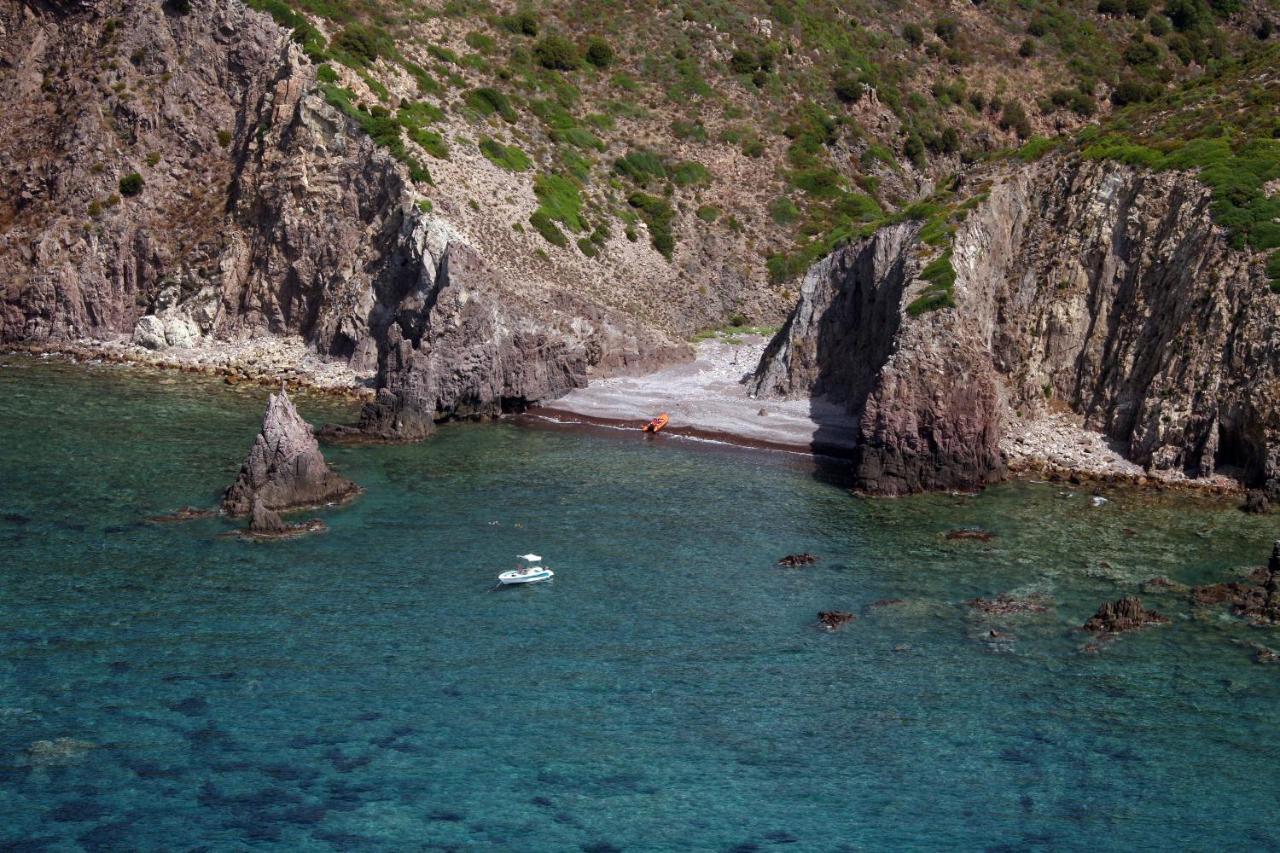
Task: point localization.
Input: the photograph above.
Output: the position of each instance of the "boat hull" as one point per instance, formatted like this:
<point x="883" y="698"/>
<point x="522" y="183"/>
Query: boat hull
<point x="513" y="578"/>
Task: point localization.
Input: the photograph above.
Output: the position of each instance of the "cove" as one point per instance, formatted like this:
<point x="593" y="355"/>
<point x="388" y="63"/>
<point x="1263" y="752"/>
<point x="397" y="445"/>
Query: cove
<point x="363" y="689"/>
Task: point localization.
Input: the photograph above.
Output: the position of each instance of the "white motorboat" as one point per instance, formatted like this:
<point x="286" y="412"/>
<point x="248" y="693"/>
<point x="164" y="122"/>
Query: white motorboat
<point x="529" y="574"/>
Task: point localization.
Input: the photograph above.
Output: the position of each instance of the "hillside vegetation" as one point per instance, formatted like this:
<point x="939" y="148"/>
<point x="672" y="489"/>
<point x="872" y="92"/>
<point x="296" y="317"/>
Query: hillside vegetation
<point x="750" y="137"/>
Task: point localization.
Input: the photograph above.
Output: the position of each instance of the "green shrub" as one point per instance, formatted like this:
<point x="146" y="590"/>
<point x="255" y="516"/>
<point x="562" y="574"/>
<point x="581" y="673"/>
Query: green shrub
<point x="1137" y="8"/>
<point x="1273" y="269"/>
<point x="433" y="143"/>
<point x="153" y="158"/>
<point x="364" y="44"/>
<point x="488" y="101"/>
<point x="559" y="200"/>
<point x="414" y="114"/>
<point x="913" y="35"/>
<point x="1159" y="26"/>
<point x="508" y="157"/>
<point x="1014" y="117"/>
<point x="640" y="166"/>
<point x="522" y="23"/>
<point x="131" y="184"/>
<point x="587" y="247"/>
<point x="658" y="215"/>
<point x="783" y="210"/>
<point x="326" y="74"/>
<point x="557" y="52"/>
<point x="947" y="30"/>
<point x="1027" y="49"/>
<point x="689" y="173"/>
<point x="1111" y="7"/>
<point x="548" y="229"/>
<point x="694" y="130"/>
<point x="1142" y="52"/>
<point x="940" y="292"/>
<point x="708" y="213"/>
<point x="224" y="138"/>
<point x="599" y="52"/>
<point x="1185" y="15"/>
<point x="481" y="42"/>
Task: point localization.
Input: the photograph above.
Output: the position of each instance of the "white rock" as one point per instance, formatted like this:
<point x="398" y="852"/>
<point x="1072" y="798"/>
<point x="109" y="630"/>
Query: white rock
<point x="149" y="332"/>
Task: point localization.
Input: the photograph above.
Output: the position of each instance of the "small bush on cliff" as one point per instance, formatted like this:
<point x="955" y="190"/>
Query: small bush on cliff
<point x="131" y="184"/>
<point x="940" y="293"/>
<point x="487" y="101"/>
<point x="548" y="229"/>
<point x="508" y="157"/>
<point x="557" y="53"/>
<point x="599" y="52"/>
<point x="658" y="214"/>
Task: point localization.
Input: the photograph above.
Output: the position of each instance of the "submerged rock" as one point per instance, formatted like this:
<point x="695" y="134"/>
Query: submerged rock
<point x="1004" y="605"/>
<point x="285" y="468"/>
<point x="974" y="533"/>
<point x="1256" y="598"/>
<point x="798" y="560"/>
<point x="1161" y="584"/>
<point x="186" y="513"/>
<point x="833" y="619"/>
<point x="1126" y="614"/>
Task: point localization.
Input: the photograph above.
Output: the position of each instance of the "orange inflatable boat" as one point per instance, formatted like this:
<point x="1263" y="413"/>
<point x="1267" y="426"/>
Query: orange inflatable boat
<point x="657" y="423"/>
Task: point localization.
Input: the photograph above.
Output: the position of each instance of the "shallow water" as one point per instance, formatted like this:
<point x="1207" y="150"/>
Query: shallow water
<point x="364" y="689"/>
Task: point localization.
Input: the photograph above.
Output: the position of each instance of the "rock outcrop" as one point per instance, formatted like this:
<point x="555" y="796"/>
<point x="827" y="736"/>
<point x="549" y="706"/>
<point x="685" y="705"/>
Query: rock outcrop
<point x="265" y="524"/>
<point x="833" y="619"/>
<point x="1125" y="614"/>
<point x="1093" y="286"/>
<point x="285" y="469"/>
<point x="1257" y="598"/>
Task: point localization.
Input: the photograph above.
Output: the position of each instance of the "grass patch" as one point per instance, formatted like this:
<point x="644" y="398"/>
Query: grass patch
<point x="940" y="292"/>
<point x="658" y="214"/>
<point x="508" y="157"/>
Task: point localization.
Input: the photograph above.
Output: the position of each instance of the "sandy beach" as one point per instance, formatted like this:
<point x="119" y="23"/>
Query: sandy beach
<point x="707" y="398"/>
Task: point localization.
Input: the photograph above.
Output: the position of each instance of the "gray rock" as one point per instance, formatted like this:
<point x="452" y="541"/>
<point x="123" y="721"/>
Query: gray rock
<point x="285" y="468"/>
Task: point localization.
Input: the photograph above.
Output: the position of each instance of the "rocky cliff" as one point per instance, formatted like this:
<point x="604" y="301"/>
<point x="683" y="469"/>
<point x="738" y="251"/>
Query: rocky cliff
<point x="1078" y="284"/>
<point x="258" y="210"/>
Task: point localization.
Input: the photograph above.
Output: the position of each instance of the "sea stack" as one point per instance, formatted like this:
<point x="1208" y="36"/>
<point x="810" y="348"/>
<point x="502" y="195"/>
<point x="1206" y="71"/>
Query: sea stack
<point x="285" y="469"/>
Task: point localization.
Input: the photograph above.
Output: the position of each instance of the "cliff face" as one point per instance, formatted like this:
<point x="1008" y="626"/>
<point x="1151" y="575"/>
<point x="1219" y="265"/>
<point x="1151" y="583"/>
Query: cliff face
<point x="263" y="211"/>
<point x="1095" y="286"/>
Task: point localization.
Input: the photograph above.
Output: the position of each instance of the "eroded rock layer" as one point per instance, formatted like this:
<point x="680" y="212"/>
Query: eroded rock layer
<point x="1094" y="286"/>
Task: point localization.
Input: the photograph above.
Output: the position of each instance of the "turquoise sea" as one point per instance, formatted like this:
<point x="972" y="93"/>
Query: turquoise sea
<point x="165" y="688"/>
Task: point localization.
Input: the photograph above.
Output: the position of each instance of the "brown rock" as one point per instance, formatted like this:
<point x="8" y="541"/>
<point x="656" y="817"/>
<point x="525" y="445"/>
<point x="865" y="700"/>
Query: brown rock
<point x="1256" y="502"/>
<point x="798" y="560"/>
<point x="971" y="533"/>
<point x="186" y="513"/>
<point x="833" y="619"/>
<point x="285" y="468"/>
<point x="1126" y="614"/>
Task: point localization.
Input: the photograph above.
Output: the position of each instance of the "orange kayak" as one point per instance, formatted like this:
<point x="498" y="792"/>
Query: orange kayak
<point x="657" y="423"/>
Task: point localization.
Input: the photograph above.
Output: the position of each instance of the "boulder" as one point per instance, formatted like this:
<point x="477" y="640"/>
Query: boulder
<point x="1256" y="502"/>
<point x="285" y="468"/>
<point x="833" y="619"/>
<point x="1126" y="614"/>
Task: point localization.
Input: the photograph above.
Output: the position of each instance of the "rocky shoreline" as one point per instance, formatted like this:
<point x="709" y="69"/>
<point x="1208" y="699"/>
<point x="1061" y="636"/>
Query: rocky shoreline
<point x="1056" y="448"/>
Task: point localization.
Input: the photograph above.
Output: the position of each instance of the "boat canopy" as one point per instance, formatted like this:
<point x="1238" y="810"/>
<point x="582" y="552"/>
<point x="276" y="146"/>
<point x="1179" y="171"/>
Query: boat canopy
<point x="532" y="558"/>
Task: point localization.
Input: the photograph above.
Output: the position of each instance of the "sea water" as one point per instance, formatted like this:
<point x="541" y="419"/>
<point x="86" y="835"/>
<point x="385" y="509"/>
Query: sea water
<point x="165" y="687"/>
